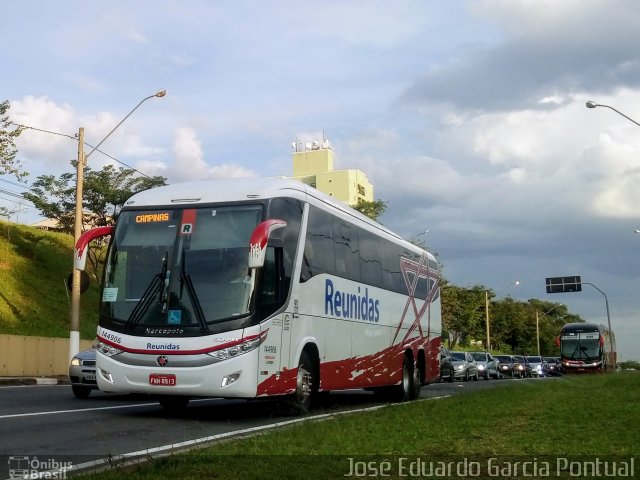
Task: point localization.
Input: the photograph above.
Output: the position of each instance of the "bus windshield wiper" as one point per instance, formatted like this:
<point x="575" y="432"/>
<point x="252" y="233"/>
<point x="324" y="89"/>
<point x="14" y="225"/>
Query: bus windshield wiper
<point x="154" y="288"/>
<point x="185" y="280"/>
<point x="146" y="300"/>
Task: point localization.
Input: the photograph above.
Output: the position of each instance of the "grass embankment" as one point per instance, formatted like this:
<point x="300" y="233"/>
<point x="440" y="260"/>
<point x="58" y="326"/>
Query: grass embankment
<point x="577" y="417"/>
<point x="34" y="266"/>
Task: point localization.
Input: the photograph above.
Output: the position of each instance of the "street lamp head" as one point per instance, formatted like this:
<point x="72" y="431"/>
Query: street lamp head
<point x="517" y="282"/>
<point x="637" y="231"/>
<point x="160" y="93"/>
<point x="591" y="104"/>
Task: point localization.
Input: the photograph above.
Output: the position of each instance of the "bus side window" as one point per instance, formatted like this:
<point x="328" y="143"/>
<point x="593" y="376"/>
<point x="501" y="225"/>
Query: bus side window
<point x="307" y="260"/>
<point x="319" y="248"/>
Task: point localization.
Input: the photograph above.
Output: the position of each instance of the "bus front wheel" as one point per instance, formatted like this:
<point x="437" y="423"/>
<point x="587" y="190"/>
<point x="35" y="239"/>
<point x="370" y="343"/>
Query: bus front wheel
<point x="173" y="403"/>
<point x="305" y="386"/>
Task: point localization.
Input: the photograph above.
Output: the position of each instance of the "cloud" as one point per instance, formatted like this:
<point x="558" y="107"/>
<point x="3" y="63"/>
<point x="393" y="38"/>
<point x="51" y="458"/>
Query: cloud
<point x="53" y="146"/>
<point x="190" y="165"/>
<point x="575" y="46"/>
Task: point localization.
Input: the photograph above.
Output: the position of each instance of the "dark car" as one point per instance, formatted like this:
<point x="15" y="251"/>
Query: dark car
<point x="553" y="367"/>
<point x="464" y="366"/>
<point x="487" y="365"/>
<point x="523" y="366"/>
<point x="538" y="365"/>
<point x="82" y="373"/>
<point x="446" y="364"/>
<point x="507" y="366"/>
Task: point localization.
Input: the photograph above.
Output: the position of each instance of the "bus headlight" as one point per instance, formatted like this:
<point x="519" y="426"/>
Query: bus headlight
<point x="107" y="350"/>
<point x="237" y="350"/>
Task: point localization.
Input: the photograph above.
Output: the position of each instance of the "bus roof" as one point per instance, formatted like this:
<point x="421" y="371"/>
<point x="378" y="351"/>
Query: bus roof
<point x="251" y="188"/>
<point x="583" y="327"/>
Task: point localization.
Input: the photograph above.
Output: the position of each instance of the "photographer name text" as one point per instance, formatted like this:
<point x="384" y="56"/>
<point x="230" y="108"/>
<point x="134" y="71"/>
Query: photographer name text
<point x="418" y="467"/>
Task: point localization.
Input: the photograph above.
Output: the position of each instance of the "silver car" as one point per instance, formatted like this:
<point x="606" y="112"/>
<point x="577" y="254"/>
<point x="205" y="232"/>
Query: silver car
<point x="487" y="365"/>
<point x="538" y="365"/>
<point x="82" y="373"/>
<point x="464" y="366"/>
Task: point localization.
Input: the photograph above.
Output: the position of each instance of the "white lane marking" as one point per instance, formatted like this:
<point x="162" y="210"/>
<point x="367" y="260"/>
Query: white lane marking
<point x="93" y="409"/>
<point x="54" y="412"/>
<point x="2" y="387"/>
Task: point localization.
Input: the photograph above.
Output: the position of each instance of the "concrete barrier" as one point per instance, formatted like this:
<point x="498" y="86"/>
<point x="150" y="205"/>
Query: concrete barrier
<point x="22" y="356"/>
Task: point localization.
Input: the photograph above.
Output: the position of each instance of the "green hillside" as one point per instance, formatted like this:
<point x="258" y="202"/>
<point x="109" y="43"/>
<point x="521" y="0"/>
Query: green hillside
<point x="34" y="266"/>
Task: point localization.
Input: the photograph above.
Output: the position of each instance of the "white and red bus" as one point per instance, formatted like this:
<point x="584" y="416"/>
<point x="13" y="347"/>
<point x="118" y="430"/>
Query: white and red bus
<point x="252" y="288"/>
<point x="587" y="347"/>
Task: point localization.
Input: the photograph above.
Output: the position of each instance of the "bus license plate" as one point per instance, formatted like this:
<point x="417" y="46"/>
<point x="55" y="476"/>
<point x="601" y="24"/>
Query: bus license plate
<point x="166" y="380"/>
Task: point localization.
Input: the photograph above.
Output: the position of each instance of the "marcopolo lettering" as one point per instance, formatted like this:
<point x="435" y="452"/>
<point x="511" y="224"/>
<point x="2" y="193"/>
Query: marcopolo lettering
<point x="350" y="305"/>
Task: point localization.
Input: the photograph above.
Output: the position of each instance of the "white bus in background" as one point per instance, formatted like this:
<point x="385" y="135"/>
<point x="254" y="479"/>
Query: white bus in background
<point x="254" y="288"/>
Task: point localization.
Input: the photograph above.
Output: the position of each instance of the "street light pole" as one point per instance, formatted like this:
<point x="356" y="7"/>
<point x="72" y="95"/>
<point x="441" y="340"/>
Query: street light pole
<point x="538" y="323"/>
<point x="486" y="309"/>
<point x="416" y="239"/>
<point x="606" y="302"/>
<point x="591" y="104"/>
<point x="74" y="331"/>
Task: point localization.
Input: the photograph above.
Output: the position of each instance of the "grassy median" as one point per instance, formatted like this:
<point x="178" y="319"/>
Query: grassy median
<point x="579" y="418"/>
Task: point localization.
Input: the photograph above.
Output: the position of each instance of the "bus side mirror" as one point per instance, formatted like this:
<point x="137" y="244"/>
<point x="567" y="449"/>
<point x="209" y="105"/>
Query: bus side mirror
<point x="259" y="239"/>
<point x="557" y="341"/>
<point x="82" y="245"/>
<point x="80" y="255"/>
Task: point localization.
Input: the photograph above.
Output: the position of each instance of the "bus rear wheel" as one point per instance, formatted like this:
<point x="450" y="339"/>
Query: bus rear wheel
<point x="416" y="382"/>
<point x="404" y="391"/>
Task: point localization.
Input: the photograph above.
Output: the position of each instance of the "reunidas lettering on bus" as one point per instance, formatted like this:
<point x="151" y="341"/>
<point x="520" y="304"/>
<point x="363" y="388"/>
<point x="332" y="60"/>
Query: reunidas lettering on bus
<point x="354" y="306"/>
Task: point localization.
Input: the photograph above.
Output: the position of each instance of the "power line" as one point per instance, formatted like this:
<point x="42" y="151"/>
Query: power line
<point x="13" y="194"/>
<point x="75" y="137"/>
<point x="26" y="205"/>
<point x="21" y="185"/>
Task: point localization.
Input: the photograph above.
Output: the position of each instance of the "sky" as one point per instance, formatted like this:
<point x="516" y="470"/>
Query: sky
<point x="468" y="117"/>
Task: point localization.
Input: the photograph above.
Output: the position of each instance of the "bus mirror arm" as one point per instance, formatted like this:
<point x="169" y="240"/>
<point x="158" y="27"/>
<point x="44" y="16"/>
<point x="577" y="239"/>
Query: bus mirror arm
<point x="259" y="239"/>
<point x="82" y="245"/>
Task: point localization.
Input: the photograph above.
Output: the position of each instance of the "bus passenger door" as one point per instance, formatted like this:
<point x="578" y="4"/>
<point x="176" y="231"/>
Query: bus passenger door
<point x="274" y="356"/>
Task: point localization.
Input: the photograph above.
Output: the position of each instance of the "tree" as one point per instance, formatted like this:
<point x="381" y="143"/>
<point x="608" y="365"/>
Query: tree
<point x="462" y="312"/>
<point x="104" y="193"/>
<point x="373" y="209"/>
<point x="8" y="133"/>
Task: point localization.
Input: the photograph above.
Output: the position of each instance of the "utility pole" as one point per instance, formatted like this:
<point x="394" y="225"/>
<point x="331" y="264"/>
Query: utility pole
<point x="486" y="312"/>
<point x="538" y="330"/>
<point x="74" y="333"/>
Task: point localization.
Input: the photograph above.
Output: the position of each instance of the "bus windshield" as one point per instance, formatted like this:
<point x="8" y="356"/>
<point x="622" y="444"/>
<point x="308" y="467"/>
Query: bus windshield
<point x="581" y="346"/>
<point x="180" y="267"/>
